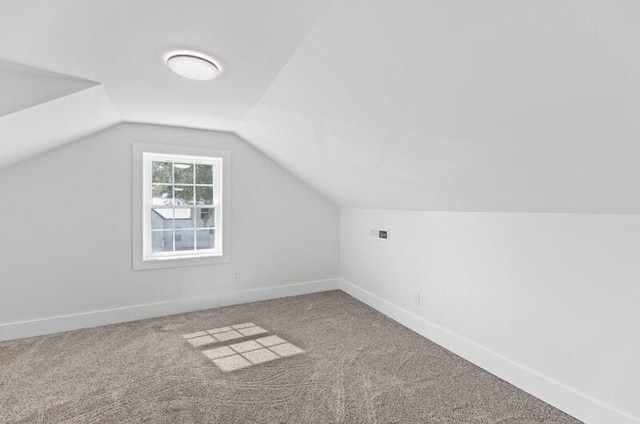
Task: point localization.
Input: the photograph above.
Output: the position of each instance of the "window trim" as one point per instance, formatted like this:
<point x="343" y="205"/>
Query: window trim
<point x="141" y="223"/>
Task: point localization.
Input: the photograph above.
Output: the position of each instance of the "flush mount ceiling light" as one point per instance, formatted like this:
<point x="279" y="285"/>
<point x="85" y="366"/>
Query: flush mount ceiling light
<point x="193" y="66"/>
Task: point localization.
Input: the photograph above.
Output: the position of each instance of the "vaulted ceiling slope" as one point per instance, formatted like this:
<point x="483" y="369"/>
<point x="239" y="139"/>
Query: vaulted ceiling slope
<point x="498" y="105"/>
<point x="463" y="105"/>
<point x="122" y="44"/>
<point x="24" y="87"/>
<point x="40" y="110"/>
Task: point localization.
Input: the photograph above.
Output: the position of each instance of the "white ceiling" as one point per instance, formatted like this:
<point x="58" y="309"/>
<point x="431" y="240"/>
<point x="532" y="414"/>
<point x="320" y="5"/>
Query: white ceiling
<point x="51" y="124"/>
<point x="23" y="87"/>
<point x="122" y="45"/>
<point x="463" y="105"/>
<point x="41" y="110"/>
<point x="411" y="104"/>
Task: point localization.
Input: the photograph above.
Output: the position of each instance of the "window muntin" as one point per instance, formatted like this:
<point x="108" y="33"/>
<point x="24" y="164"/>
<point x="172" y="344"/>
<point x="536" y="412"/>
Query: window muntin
<point x="182" y="206"/>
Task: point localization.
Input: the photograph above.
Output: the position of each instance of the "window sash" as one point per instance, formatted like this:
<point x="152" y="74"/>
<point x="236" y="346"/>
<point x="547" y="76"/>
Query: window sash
<point x="148" y="206"/>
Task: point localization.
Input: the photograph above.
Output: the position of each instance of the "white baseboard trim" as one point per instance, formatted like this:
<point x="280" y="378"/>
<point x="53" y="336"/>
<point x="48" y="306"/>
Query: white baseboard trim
<point x="562" y="397"/>
<point x="554" y="393"/>
<point x="57" y="324"/>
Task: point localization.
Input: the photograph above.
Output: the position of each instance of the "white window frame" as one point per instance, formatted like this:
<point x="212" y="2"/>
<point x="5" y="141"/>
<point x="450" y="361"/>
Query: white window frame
<point x="217" y="164"/>
<point x="143" y="157"/>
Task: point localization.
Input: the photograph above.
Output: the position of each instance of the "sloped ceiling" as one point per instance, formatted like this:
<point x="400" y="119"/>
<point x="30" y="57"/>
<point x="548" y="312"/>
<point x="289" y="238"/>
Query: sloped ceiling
<point x="412" y="104"/>
<point x="23" y="86"/>
<point x="40" y="110"/>
<point x="123" y="44"/>
<point x="463" y="106"/>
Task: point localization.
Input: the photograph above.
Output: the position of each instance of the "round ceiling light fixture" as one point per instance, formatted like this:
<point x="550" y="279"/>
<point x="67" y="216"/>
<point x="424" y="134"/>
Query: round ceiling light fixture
<point x="194" y="66"/>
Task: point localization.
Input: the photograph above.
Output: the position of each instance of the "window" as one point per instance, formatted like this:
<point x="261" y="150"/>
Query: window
<point x="182" y="206"/>
<point x="180" y="213"/>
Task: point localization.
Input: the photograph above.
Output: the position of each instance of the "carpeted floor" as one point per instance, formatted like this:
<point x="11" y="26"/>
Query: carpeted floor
<point x="353" y="365"/>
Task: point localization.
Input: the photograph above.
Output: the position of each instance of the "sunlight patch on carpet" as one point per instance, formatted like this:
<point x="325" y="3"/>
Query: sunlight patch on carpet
<point x="239" y="355"/>
<point x="223" y="334"/>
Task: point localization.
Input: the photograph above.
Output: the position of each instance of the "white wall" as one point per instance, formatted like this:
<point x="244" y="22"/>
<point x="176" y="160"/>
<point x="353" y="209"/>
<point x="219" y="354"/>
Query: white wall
<point x="555" y="293"/>
<point x="66" y="228"/>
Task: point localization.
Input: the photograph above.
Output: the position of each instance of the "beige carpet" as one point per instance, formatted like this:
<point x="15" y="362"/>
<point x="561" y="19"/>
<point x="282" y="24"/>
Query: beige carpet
<point x="350" y="365"/>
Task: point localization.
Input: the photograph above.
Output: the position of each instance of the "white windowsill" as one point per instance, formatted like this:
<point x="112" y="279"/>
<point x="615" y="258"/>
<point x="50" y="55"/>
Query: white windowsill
<point x="174" y="257"/>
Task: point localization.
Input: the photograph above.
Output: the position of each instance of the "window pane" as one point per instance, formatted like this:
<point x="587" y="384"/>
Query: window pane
<point x="162" y="172"/>
<point x="204" y="174"/>
<point x="162" y="195"/>
<point x="162" y="241"/>
<point x="206" y="239"/>
<point x="183" y="173"/>
<point x="205" y="218"/>
<point x="185" y="240"/>
<point x="162" y="219"/>
<point x="184" y="217"/>
<point x="184" y="195"/>
<point x="204" y="195"/>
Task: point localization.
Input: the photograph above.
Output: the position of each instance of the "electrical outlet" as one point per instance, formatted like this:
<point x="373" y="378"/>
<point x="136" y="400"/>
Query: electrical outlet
<point x="235" y="278"/>
<point x="416" y="298"/>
